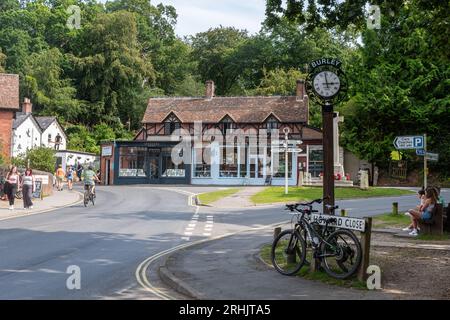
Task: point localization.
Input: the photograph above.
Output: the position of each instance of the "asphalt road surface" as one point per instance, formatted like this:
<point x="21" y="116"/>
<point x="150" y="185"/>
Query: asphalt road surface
<point x="108" y="242"/>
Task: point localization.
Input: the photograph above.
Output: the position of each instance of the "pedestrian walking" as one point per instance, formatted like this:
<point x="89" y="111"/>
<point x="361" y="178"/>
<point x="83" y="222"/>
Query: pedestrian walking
<point x="79" y="171"/>
<point x="69" y="176"/>
<point x="28" y="189"/>
<point x="60" y="174"/>
<point x="12" y="181"/>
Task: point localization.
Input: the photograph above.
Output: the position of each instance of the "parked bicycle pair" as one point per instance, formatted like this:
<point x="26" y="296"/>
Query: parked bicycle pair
<point x="338" y="251"/>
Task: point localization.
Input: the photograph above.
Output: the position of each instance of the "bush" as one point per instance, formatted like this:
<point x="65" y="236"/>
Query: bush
<point x="41" y="158"/>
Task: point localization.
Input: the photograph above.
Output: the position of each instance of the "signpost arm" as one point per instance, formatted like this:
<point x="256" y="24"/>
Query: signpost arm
<point x="328" y="158"/>
<point x="425" y="167"/>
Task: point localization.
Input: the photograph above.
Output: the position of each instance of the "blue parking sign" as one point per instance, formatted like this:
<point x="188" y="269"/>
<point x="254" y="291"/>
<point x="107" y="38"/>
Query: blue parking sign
<point x="418" y="142"/>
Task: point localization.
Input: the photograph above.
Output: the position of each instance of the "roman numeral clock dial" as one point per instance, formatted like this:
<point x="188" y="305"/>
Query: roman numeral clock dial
<point x="326" y="84"/>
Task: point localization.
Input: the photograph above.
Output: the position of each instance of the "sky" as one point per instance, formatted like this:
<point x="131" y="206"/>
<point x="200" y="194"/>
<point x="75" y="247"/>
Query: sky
<point x="199" y="15"/>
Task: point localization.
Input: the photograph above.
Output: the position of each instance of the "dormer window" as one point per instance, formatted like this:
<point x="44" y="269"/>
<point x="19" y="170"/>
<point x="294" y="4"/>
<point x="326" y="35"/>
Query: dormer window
<point x="171" y="124"/>
<point x="272" y="123"/>
<point x="227" y="125"/>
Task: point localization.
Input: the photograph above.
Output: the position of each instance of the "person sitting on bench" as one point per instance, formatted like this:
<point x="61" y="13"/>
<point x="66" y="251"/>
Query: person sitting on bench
<point x="425" y="211"/>
<point x="421" y="197"/>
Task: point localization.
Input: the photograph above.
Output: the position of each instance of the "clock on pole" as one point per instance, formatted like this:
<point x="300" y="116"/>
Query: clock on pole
<point x="326" y="85"/>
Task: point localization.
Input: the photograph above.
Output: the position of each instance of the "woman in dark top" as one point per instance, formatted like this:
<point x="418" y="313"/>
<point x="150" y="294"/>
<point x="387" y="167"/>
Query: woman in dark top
<point x="12" y="178"/>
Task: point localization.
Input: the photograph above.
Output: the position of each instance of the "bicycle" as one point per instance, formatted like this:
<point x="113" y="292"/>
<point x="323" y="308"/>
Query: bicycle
<point x="89" y="195"/>
<point x="338" y="250"/>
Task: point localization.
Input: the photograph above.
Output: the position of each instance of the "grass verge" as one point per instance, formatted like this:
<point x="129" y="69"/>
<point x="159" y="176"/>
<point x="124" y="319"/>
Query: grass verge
<point x="321" y="276"/>
<point x="210" y="197"/>
<point x="276" y="194"/>
<point x="390" y="220"/>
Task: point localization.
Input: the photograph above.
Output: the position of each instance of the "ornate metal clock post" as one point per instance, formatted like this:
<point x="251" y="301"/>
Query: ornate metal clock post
<point x="326" y="84"/>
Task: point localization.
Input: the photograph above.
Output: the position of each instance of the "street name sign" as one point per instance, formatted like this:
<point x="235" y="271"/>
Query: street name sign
<point x="356" y="224"/>
<point x="420" y="152"/>
<point x="409" y="142"/>
<point x="432" y="156"/>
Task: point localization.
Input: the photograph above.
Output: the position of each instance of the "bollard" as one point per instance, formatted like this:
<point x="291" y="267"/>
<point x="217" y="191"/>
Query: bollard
<point x="276" y="232"/>
<point x="365" y="245"/>
<point x="395" y="208"/>
<point x="343" y="213"/>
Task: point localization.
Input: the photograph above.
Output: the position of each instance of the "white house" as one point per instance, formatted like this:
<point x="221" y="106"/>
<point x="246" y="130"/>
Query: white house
<point x="53" y="135"/>
<point x="26" y="134"/>
<point x="31" y="132"/>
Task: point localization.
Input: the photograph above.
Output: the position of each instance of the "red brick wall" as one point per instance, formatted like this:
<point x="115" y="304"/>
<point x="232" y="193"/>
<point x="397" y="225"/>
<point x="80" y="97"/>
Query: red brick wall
<point x="6" y="119"/>
<point x="9" y="103"/>
<point x="9" y="91"/>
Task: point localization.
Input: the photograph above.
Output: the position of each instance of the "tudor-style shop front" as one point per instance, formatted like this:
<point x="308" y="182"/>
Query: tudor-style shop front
<point x="149" y="159"/>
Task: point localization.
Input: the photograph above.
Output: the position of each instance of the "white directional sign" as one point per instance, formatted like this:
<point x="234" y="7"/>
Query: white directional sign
<point x="409" y="142"/>
<point x="432" y="156"/>
<point x="291" y="150"/>
<point x="341" y="222"/>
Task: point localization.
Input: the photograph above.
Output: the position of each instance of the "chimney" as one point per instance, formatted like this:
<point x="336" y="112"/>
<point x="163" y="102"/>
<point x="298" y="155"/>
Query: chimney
<point x="209" y="89"/>
<point x="300" y="90"/>
<point x="27" y="107"/>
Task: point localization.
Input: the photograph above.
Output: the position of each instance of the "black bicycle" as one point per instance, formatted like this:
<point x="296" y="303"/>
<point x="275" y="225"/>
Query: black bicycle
<point x="338" y="250"/>
<point x="88" y="195"/>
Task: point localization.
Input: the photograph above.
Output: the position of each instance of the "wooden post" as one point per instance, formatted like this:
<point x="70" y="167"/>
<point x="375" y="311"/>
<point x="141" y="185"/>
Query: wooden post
<point x="315" y="264"/>
<point x="343" y="213"/>
<point x="365" y="245"/>
<point x="395" y="208"/>
<point x="276" y="232"/>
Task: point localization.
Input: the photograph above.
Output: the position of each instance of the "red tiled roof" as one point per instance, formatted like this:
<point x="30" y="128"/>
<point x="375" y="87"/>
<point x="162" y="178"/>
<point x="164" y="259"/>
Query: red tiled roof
<point x="241" y="109"/>
<point x="9" y="91"/>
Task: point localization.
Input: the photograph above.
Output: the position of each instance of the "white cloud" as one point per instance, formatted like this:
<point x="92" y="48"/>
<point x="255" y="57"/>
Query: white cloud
<point x="199" y="15"/>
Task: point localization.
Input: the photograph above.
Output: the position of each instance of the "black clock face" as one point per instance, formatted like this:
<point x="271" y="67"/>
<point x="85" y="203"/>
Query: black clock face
<point x="326" y="84"/>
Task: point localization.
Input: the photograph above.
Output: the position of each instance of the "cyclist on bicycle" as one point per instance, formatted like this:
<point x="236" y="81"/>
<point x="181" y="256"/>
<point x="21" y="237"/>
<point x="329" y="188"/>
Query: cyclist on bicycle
<point x="89" y="178"/>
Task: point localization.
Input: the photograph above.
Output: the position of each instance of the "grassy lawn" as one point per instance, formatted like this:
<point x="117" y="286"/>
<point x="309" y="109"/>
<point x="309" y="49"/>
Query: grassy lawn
<point x="276" y="194"/>
<point x="390" y="220"/>
<point x="210" y="197"/>
<point x="322" y="276"/>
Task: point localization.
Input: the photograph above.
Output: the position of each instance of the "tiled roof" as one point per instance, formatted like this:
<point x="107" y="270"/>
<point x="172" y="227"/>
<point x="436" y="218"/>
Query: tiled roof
<point x="20" y="118"/>
<point x="9" y="91"/>
<point x="45" y="122"/>
<point x="240" y="109"/>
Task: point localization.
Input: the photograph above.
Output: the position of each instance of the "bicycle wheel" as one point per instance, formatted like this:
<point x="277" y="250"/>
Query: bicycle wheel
<point x="341" y="254"/>
<point x="86" y="198"/>
<point x="288" y="252"/>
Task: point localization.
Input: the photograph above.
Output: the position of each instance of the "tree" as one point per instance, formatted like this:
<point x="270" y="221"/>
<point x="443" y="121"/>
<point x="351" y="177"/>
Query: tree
<point x="112" y="73"/>
<point x="400" y="84"/>
<point x="214" y="51"/>
<point x="189" y="87"/>
<point x="2" y="61"/>
<point x="41" y="158"/>
<point x="50" y="93"/>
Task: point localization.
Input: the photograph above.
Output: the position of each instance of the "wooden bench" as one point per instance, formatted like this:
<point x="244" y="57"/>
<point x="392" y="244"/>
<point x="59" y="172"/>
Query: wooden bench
<point x="434" y="226"/>
<point x="446" y="219"/>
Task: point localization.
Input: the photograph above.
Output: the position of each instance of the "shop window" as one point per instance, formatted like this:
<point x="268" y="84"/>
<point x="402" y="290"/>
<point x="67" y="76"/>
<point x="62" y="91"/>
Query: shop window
<point x="282" y="165"/>
<point x="132" y="162"/>
<point x="202" y="169"/>
<point x="229" y="162"/>
<point x="315" y="161"/>
<point x="171" y="170"/>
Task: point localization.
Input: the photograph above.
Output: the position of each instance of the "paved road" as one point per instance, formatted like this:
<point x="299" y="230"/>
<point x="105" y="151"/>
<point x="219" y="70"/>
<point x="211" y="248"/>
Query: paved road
<point x="109" y="241"/>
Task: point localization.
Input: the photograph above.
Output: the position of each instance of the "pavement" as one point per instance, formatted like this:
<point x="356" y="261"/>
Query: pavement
<point x="240" y="199"/>
<point x="218" y="270"/>
<point x="58" y="200"/>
